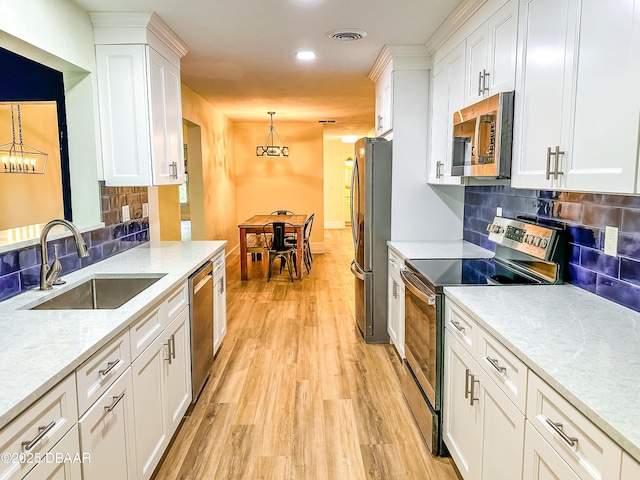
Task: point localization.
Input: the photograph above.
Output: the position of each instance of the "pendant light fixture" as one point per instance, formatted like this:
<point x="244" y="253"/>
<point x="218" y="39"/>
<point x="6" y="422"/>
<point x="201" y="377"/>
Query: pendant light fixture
<point x="269" y="149"/>
<point x="17" y="157"/>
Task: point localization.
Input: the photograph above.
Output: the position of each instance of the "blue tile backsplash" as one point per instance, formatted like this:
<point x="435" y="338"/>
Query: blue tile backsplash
<point x="20" y="269"/>
<point x="585" y="216"/>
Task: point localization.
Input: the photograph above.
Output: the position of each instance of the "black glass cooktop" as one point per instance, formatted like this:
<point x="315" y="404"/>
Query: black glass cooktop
<point x="438" y="273"/>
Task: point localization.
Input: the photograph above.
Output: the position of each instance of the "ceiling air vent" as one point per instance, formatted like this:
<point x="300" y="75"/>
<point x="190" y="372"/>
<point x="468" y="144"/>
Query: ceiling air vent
<point x="327" y="121"/>
<point x="347" y="34"/>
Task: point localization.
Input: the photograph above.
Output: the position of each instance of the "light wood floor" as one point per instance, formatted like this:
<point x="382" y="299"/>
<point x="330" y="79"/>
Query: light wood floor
<point x="295" y="393"/>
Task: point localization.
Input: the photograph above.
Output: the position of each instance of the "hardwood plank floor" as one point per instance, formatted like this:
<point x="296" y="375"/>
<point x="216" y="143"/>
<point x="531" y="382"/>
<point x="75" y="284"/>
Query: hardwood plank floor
<point x="296" y="393"/>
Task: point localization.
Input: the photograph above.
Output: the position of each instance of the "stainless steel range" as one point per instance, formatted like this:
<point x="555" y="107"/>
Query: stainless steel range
<point x="526" y="253"/>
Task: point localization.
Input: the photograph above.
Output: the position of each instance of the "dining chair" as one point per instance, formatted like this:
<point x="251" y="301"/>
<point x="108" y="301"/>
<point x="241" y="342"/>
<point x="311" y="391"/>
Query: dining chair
<point x="274" y="235"/>
<point x="282" y="212"/>
<point x="307" y="257"/>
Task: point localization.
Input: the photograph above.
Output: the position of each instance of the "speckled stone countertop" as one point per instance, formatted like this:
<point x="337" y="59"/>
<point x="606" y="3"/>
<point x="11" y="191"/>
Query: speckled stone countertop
<point x="584" y="346"/>
<point x="439" y="249"/>
<point x="42" y="347"/>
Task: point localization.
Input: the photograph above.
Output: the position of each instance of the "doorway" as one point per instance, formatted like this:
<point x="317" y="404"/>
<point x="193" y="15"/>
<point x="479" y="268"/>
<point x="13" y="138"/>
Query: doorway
<point x="348" y="169"/>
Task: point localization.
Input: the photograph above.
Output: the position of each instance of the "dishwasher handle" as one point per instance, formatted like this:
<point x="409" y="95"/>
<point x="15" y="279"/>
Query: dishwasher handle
<point x="202" y="276"/>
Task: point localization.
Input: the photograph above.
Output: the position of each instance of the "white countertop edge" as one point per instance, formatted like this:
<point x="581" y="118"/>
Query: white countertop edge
<point x="129" y="312"/>
<point x="618" y="437"/>
<point x="430" y="249"/>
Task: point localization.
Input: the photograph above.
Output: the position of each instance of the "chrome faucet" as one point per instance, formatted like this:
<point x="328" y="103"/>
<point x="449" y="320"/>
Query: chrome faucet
<point x="49" y="274"/>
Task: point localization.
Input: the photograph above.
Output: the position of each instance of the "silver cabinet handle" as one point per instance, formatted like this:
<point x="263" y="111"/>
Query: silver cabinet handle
<point x="557" y="155"/>
<point x="221" y="285"/>
<point x="472" y="393"/>
<point x="379" y="122"/>
<point x="479" y="83"/>
<point x="395" y="289"/>
<point x="485" y="75"/>
<point x="172" y="342"/>
<point x="456" y="324"/>
<point x="168" y="345"/>
<point x="494" y="364"/>
<point x="467" y="375"/>
<point x="110" y="366"/>
<point x="548" y="173"/>
<point x="116" y="400"/>
<point x="557" y="427"/>
<point x="42" y="431"/>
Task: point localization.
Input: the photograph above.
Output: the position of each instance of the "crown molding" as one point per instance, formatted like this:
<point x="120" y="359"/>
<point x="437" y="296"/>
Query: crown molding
<point x="460" y="14"/>
<point x="405" y="57"/>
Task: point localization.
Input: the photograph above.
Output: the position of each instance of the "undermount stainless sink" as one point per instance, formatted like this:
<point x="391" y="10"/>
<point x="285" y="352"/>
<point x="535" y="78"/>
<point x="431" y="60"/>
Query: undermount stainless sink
<point x="99" y="293"/>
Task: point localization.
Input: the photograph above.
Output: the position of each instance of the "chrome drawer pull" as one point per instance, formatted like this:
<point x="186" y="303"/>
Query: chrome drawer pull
<point x="494" y="364"/>
<point x="467" y="374"/>
<point x="168" y="345"/>
<point x="557" y="427"/>
<point x="472" y="393"/>
<point x="110" y="366"/>
<point x="456" y="324"/>
<point x="42" y="431"/>
<point x="173" y="346"/>
<point x="548" y="171"/>
<point x="116" y="400"/>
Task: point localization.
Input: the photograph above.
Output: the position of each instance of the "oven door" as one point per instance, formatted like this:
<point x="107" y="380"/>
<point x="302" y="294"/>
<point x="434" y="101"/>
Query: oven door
<point x="421" y="336"/>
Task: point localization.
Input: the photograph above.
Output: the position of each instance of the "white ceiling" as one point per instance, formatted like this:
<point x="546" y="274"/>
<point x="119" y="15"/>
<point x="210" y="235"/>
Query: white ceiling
<point x="242" y="52"/>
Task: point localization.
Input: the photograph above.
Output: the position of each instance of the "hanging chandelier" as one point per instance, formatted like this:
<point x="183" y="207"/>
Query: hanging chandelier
<point x="18" y="157"/>
<point x="271" y="150"/>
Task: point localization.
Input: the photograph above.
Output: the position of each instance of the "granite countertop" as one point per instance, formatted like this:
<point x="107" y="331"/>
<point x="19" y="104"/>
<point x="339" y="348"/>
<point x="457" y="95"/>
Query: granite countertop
<point x="584" y="346"/>
<point x="42" y="347"/>
<point x="439" y="249"/>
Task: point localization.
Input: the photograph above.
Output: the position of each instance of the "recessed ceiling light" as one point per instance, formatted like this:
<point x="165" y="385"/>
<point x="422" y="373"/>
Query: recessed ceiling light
<point x="305" y="55"/>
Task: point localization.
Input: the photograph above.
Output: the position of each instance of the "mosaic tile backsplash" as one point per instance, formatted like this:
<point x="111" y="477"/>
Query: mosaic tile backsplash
<point x="20" y="269"/>
<point x="585" y="216"/>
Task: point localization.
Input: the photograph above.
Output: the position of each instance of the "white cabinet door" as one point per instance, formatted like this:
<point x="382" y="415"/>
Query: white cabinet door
<point x="544" y="75"/>
<point x="604" y="150"/>
<point x="630" y="468"/>
<point x="447" y="97"/>
<point x="62" y="461"/>
<point x="140" y="116"/>
<point x="541" y="461"/>
<point x="107" y="434"/>
<point x="502" y="433"/>
<point x="178" y="371"/>
<point x="150" y="405"/>
<point x="220" y="310"/>
<point x="491" y="55"/>
<point x="395" y="326"/>
<point x="384" y="101"/>
<point x="461" y="419"/>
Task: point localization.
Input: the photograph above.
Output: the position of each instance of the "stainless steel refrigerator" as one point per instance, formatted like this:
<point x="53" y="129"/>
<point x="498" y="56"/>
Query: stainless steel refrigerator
<point x="371" y="229"/>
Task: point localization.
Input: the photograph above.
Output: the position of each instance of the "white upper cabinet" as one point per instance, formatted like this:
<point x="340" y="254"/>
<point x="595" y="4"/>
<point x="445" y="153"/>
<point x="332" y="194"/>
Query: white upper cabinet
<point x="491" y="55"/>
<point x="384" y="113"/>
<point x="138" y="73"/>
<point x="447" y="97"/>
<point x="576" y="106"/>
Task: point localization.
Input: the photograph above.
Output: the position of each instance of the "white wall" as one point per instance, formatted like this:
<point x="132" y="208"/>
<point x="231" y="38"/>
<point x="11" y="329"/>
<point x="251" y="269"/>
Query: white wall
<point x="59" y="35"/>
<point x="334" y="155"/>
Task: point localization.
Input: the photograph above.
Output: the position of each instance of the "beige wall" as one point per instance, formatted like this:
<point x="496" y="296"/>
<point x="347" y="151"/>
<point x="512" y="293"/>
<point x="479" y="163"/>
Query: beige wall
<point x="335" y="152"/>
<point x="212" y="171"/>
<point x="270" y="183"/>
<point x="32" y="199"/>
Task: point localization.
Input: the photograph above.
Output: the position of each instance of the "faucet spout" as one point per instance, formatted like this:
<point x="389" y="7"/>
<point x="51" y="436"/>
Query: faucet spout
<point x="47" y="275"/>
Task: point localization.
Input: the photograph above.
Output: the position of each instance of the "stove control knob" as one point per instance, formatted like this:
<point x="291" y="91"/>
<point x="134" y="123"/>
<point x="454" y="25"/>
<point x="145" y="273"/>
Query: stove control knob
<point x="528" y="238"/>
<point x="543" y="243"/>
<point x="490" y="228"/>
<point x="536" y="241"/>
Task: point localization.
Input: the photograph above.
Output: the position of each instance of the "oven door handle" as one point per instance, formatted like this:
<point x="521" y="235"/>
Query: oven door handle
<point x="419" y="289"/>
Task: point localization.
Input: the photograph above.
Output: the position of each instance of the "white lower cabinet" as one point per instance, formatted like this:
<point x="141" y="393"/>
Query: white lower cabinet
<point x="62" y="462"/>
<point x="162" y="392"/>
<point x="630" y="468"/>
<point x="483" y="429"/>
<point x="395" y="303"/>
<point x="107" y="434"/>
<point x="219" y="301"/>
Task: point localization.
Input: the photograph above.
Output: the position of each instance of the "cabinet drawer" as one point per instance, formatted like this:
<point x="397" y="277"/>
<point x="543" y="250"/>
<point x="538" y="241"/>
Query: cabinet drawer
<point x="176" y="301"/>
<point x="585" y="448"/>
<point x="541" y="461"/>
<point x="463" y="327"/>
<point x="218" y="264"/>
<point x="96" y="374"/>
<point x="144" y="330"/>
<point x="67" y="449"/>
<point x="504" y="368"/>
<point x="395" y="262"/>
<point x="39" y="428"/>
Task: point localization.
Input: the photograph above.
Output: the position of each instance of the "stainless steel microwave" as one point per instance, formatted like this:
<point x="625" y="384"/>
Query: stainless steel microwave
<point x="483" y="137"/>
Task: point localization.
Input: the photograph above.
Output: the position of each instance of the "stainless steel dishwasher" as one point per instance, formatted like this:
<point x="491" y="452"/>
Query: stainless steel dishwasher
<point x="201" y="309"/>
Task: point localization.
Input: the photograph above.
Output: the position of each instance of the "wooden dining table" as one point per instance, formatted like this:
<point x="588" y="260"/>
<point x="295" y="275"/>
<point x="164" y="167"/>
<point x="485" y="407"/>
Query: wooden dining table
<point x="256" y="223"/>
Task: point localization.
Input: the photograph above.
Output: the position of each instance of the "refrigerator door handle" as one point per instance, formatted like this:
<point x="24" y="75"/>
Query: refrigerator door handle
<point x="356" y="270"/>
<point x="355" y="197"/>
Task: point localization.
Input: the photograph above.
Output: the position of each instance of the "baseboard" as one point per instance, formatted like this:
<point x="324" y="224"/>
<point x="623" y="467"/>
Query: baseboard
<point x="333" y="225"/>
